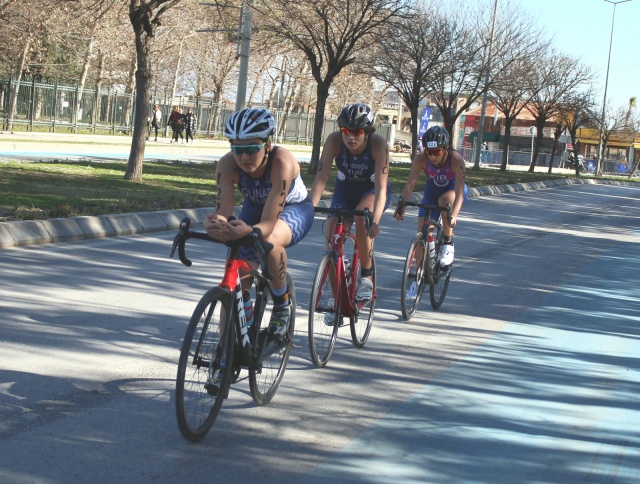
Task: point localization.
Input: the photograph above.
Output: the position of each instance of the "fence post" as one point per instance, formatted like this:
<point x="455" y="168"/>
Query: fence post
<point x="55" y="106"/>
<point x="32" y="102"/>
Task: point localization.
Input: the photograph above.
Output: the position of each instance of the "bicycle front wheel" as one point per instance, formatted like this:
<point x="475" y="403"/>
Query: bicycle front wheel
<point x="202" y="381"/>
<point x="265" y="378"/>
<point x="323" y="319"/>
<point x="410" y="286"/>
<point x="363" y="319"/>
<point x="438" y="289"/>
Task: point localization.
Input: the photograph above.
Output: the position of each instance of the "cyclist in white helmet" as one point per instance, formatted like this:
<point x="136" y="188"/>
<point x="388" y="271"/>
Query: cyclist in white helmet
<point x="362" y="158"/>
<point x="275" y="199"/>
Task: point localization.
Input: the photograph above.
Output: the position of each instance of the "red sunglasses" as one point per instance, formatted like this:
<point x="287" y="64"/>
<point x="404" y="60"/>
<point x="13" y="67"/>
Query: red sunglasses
<point x="435" y="152"/>
<point x="354" y="132"/>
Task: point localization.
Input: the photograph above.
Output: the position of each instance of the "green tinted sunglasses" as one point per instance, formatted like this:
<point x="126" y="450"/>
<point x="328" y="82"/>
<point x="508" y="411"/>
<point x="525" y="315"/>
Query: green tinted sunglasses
<point x="248" y="149"/>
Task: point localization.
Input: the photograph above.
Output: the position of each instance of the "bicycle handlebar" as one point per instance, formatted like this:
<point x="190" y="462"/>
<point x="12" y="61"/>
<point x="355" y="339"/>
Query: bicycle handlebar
<point x="254" y="239"/>
<point x="346" y="212"/>
<point x="426" y="206"/>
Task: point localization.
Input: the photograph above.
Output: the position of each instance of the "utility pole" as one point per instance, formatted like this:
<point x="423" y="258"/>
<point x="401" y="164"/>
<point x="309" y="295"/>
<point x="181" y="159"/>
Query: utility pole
<point x="600" y="162"/>
<point x="476" y="157"/>
<point x="245" y="47"/>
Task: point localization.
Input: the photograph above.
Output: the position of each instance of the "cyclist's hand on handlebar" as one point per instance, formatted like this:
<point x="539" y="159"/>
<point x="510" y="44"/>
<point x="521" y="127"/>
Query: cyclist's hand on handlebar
<point x="238" y="229"/>
<point x="452" y="221"/>
<point x="399" y="213"/>
<point x="374" y="230"/>
<point x="222" y="230"/>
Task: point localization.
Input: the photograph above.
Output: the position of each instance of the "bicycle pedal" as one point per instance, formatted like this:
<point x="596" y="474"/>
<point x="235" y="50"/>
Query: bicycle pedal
<point x="292" y="344"/>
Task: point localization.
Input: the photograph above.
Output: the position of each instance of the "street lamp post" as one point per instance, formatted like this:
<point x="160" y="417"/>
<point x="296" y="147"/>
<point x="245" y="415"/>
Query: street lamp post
<point x="606" y="84"/>
<point x="476" y="159"/>
<point x="533" y="131"/>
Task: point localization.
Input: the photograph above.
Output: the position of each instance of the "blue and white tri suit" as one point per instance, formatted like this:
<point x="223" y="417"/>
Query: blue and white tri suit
<point x="355" y="178"/>
<point x="297" y="213"/>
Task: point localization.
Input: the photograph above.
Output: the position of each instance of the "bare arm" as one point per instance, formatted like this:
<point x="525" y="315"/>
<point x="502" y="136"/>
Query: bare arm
<point x="380" y="153"/>
<point x="417" y="166"/>
<point x="284" y="170"/>
<point x="226" y="175"/>
<point x="330" y="150"/>
<point x="457" y="165"/>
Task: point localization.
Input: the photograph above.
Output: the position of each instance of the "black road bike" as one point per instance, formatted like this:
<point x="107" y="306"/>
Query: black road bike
<point x="422" y="268"/>
<point x="218" y="343"/>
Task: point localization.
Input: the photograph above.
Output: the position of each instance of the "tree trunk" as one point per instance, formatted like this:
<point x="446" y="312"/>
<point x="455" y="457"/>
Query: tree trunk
<point x="83" y="79"/>
<point x="322" y="92"/>
<point x="508" y="122"/>
<point x="414" y="127"/>
<point x="537" y="146"/>
<point x="131" y="89"/>
<point x="139" y="17"/>
<point x="556" y="137"/>
<point x="13" y="104"/>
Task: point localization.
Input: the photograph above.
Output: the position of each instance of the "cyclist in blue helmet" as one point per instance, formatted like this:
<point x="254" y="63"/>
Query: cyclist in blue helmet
<point x="275" y="200"/>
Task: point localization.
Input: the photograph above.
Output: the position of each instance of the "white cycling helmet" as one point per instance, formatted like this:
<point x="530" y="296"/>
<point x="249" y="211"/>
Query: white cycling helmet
<point x="250" y="123"/>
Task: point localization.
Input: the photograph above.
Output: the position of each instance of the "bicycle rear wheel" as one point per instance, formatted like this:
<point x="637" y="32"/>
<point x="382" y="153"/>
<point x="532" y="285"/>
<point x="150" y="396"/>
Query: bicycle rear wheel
<point x="200" y="363"/>
<point x="362" y="321"/>
<point x="438" y="289"/>
<point x="323" y="332"/>
<point x="265" y="379"/>
<point x="410" y="286"/>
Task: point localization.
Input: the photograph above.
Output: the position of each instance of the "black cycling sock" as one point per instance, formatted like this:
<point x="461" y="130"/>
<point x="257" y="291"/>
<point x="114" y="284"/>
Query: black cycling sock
<point x="448" y="239"/>
<point x="366" y="272"/>
<point x="281" y="301"/>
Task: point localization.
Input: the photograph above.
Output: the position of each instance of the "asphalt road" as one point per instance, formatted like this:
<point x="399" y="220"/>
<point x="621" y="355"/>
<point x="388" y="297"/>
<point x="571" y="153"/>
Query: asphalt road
<point x="528" y="373"/>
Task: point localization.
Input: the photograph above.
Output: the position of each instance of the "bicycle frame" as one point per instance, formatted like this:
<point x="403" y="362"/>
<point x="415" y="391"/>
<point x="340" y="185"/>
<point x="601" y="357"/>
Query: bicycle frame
<point x="248" y="341"/>
<point x="346" y="290"/>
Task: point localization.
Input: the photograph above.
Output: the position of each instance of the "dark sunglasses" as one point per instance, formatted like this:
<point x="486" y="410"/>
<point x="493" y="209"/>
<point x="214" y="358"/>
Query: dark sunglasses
<point x="435" y="152"/>
<point x="247" y="149"/>
<point x="354" y="132"/>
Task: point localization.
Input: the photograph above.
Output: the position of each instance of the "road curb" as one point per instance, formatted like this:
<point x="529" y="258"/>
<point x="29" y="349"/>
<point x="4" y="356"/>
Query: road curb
<point x="36" y="232"/>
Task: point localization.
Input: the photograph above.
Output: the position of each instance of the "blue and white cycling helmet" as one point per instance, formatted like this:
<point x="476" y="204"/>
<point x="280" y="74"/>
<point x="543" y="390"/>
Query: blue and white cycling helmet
<point x="250" y="123"/>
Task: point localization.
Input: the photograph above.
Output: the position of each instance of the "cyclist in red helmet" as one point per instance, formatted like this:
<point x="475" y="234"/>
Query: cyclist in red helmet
<point x="445" y="172"/>
<point x="362" y="158"/>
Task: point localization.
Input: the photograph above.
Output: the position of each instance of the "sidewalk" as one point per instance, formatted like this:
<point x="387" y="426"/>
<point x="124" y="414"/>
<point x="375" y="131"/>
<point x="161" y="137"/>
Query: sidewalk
<point x="47" y="146"/>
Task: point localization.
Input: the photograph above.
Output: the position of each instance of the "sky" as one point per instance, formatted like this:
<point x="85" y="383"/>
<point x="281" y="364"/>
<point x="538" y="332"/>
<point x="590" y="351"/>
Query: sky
<point x="582" y="28"/>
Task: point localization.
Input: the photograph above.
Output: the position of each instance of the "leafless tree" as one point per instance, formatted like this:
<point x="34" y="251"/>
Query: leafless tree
<point x="556" y="75"/>
<point x="511" y="94"/>
<point x="409" y="53"/>
<point x="477" y="59"/>
<point x="576" y="111"/>
<point x="330" y="33"/>
<point x="146" y="17"/>
<point x="615" y="124"/>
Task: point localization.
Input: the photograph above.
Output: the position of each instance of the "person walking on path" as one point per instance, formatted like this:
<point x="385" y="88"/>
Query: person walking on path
<point x="191" y="124"/>
<point x="176" y="121"/>
<point x="155" y="121"/>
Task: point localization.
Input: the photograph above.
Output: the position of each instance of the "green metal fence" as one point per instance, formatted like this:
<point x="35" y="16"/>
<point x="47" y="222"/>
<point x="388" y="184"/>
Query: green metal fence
<point x="36" y="105"/>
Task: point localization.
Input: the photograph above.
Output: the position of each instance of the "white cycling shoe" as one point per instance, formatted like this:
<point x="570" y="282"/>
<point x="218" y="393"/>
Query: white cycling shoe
<point x="446" y="255"/>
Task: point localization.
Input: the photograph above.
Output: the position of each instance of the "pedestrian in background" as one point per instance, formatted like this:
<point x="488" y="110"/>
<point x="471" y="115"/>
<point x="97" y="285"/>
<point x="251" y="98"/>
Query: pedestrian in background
<point x="155" y="121"/>
<point x="176" y="121"/>
<point x="191" y="124"/>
